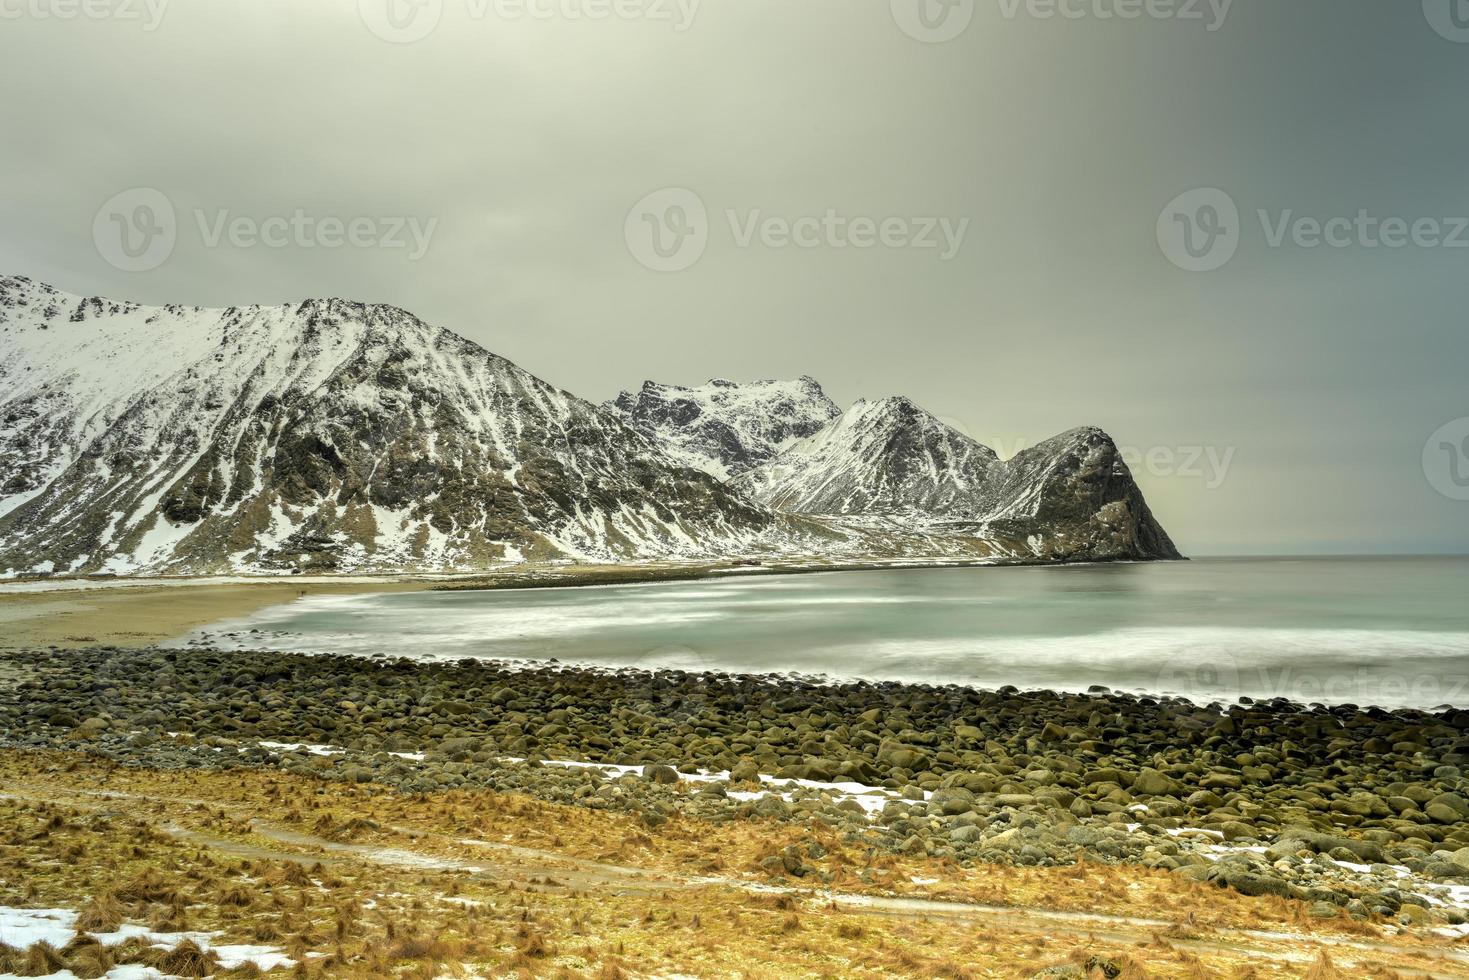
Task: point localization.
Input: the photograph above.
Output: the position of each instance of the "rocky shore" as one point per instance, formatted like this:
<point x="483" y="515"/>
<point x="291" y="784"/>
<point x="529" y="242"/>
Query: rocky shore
<point x="1353" y="811"/>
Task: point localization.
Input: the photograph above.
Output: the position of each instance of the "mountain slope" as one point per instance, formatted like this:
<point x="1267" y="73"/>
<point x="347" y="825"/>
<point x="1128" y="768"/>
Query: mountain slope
<point x="326" y="434"/>
<point x="725" y="428"/>
<point x="877" y="457"/>
<point x="1070" y="498"/>
<point x="331" y="435"/>
<point x="1074" y="498"/>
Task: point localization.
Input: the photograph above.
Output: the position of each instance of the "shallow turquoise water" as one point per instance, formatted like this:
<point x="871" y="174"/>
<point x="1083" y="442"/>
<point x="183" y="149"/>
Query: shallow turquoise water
<point x="1388" y="631"/>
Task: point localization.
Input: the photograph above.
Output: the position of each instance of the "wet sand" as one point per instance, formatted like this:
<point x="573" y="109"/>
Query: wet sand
<point x="138" y="613"/>
<point x="142" y="615"/>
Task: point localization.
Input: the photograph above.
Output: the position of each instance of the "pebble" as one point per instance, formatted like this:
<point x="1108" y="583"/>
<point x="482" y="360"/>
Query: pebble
<point x="1268" y="798"/>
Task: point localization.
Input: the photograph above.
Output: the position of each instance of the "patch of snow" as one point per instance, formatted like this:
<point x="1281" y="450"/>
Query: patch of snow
<point x="24" y="928"/>
<point x="309" y="747"/>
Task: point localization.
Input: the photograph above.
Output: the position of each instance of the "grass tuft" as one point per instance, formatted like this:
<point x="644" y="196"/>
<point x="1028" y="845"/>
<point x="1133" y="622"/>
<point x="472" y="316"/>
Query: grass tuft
<point x="88" y="958"/>
<point x="187" y="959"/>
<point x="1324" y="969"/>
<point x="103" y="913"/>
<point x="41" y="960"/>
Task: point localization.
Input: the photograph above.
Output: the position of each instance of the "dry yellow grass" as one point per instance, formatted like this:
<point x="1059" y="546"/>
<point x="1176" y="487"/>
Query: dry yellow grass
<point x="377" y="884"/>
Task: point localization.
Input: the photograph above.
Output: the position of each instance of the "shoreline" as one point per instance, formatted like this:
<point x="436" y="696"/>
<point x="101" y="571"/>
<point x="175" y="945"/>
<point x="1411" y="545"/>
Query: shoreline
<point x="565" y="574"/>
<point x="187" y="613"/>
<point x="529" y="575"/>
<point x="136" y="612"/>
<point x="1358" y="812"/>
<point x="209" y="643"/>
<point x="145" y="613"/>
<point x="1319" y="828"/>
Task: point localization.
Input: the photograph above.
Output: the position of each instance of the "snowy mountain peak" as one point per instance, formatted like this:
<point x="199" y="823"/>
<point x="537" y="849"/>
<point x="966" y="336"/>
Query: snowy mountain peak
<point x="726" y="427"/>
<point x="892" y="403"/>
<point x="884" y="456"/>
<point x="325" y="434"/>
<point x="329" y="434"/>
<point x="1071" y="495"/>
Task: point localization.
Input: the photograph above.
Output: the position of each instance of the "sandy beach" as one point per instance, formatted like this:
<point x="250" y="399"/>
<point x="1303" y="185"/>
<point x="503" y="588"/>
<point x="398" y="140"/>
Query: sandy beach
<point x="134" y="612"/>
<point x="141" y="614"/>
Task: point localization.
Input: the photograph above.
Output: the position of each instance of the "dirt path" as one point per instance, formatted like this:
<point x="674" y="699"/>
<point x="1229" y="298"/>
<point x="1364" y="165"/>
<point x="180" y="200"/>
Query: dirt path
<point x="535" y="869"/>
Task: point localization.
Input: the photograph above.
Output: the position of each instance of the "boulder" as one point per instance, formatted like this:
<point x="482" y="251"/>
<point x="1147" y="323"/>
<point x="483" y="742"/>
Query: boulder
<point x="665" y="775"/>
<point x="1151" y="782"/>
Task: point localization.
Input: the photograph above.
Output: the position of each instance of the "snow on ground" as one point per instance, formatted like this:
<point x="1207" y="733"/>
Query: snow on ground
<point x="308" y="747"/>
<point x="871" y="798"/>
<point x="724" y="427"/>
<point x="1436" y="893"/>
<point x="874" y="799"/>
<point x="24" y="928"/>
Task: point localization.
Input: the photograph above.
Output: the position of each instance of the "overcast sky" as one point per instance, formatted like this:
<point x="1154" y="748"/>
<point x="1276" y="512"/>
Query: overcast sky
<point x="986" y="190"/>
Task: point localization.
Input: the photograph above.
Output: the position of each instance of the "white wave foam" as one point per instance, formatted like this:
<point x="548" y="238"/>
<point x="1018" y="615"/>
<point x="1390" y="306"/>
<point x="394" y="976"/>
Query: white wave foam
<point x="1385" y="667"/>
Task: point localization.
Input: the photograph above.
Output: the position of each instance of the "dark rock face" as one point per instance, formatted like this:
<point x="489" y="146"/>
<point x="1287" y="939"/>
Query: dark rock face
<point x="1070" y="498"/>
<point x="327" y="435"/>
<point x="725" y="427"/>
<point x="1075" y="493"/>
<point x="333" y="436"/>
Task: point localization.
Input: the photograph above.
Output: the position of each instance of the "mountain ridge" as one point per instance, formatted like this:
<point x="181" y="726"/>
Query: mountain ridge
<point x="333" y="435"/>
<point x="878" y="456"/>
<point x="726" y="427"/>
<point x="1070" y="496"/>
<point x="326" y="433"/>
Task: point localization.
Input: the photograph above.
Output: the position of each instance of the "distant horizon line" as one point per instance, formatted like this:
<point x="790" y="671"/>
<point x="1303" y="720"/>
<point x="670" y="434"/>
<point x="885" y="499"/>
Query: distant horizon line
<point x="1333" y="554"/>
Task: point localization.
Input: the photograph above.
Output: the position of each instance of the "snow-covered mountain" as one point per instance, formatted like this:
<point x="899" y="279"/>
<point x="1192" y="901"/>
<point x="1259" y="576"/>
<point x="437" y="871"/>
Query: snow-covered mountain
<point x="1069" y="498"/>
<point x="887" y="456"/>
<point x="724" y="427"/>
<point x="325" y="434"/>
<point x="1073" y="497"/>
<point x="332" y="435"/>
